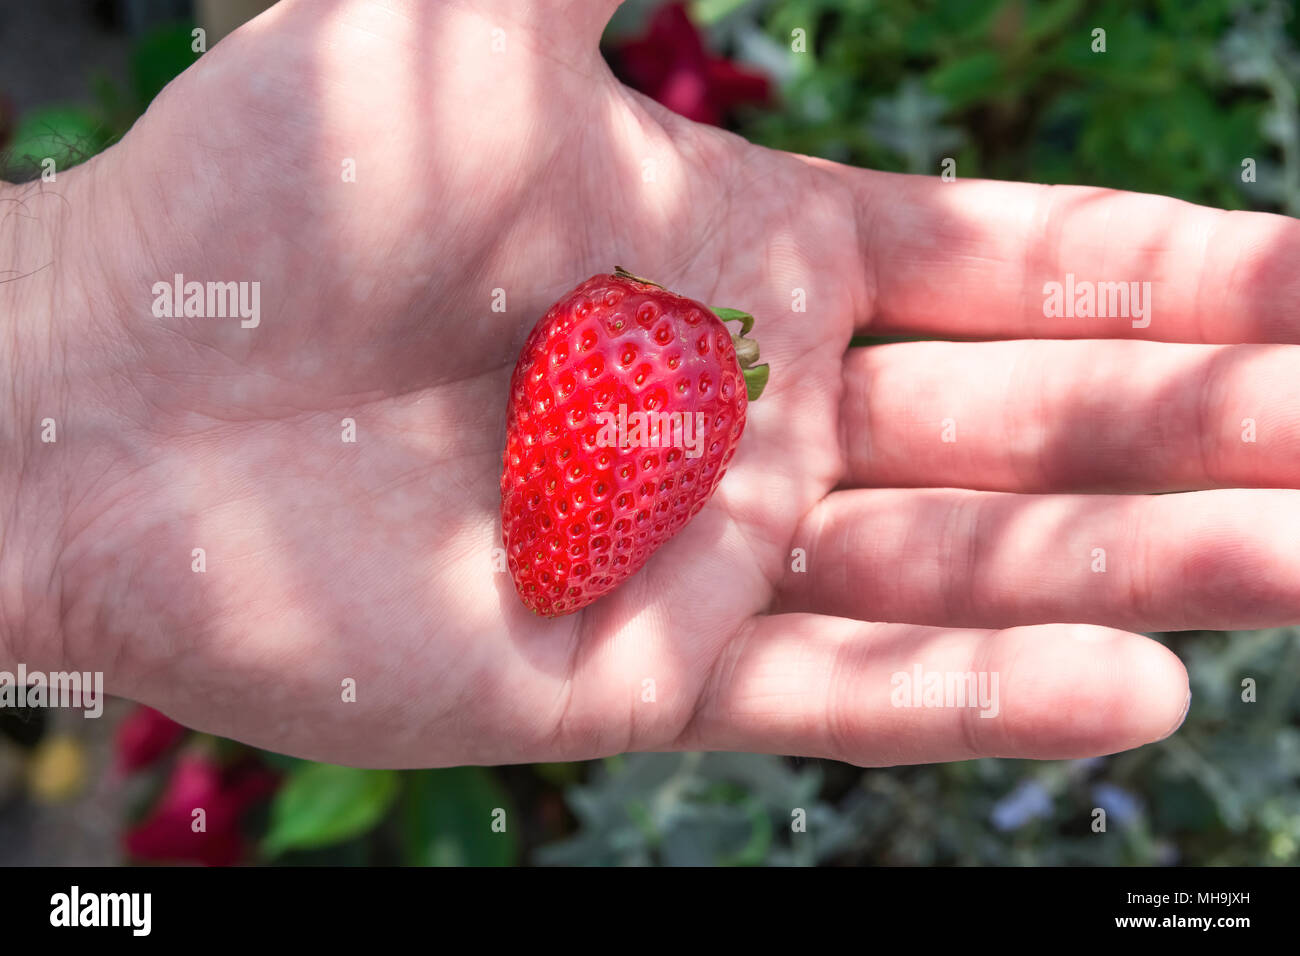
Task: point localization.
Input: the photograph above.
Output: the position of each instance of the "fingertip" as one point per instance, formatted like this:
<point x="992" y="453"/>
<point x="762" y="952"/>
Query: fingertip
<point x="1157" y="694"/>
<point x="1097" y="691"/>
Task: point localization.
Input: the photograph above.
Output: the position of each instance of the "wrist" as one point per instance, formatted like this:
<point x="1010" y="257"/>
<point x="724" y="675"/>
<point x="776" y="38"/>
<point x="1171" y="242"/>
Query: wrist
<point x="36" y="309"/>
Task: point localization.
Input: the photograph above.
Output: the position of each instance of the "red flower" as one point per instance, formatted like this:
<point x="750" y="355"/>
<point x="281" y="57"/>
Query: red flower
<point x="168" y="834"/>
<point x="144" y="736"/>
<point x="671" y="65"/>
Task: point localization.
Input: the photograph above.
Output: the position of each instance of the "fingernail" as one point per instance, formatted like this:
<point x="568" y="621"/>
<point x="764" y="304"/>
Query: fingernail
<point x="1183" y="719"/>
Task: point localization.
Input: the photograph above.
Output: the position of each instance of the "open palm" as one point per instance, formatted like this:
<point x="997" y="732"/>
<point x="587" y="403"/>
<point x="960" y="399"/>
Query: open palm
<point x="932" y="483"/>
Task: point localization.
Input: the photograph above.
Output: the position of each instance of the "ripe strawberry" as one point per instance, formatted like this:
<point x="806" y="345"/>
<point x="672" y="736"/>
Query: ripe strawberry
<point x="587" y="495"/>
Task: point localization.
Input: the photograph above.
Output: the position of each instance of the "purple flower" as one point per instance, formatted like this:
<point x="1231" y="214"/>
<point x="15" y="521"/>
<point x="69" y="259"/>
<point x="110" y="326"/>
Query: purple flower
<point x="1120" y="805"/>
<point x="1028" y="802"/>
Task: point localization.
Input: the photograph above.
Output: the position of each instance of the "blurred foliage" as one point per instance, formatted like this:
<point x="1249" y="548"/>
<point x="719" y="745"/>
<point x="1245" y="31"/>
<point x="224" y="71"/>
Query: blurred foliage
<point x="325" y="814"/>
<point x="703" y="809"/>
<point x="71" y="133"/>
<point x="1223" y="790"/>
<point x="1011" y="89"/>
<point x="321" y="804"/>
<point x="457" y="817"/>
<point x="67" y="134"/>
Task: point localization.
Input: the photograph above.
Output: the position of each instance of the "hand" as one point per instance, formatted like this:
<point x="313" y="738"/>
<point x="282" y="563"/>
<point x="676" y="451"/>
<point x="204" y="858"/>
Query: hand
<point x="524" y="171"/>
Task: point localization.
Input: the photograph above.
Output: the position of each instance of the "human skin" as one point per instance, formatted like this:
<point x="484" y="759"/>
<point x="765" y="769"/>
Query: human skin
<point x="523" y="170"/>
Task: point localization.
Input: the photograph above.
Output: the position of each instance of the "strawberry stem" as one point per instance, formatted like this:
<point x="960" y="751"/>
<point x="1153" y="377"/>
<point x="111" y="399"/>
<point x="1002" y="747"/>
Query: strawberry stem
<point x="624" y="274"/>
<point x="746" y="352"/>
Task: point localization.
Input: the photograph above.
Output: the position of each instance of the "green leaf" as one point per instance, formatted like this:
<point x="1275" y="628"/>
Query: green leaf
<point x="705" y="13"/>
<point x="66" y="134"/>
<point x="321" y="804"/>
<point x="759" y="846"/>
<point x="968" y="79"/>
<point x="282" y="762"/>
<point x="1047" y="19"/>
<point x="755" y="381"/>
<point x="160" y="56"/>
<point x="448" y="819"/>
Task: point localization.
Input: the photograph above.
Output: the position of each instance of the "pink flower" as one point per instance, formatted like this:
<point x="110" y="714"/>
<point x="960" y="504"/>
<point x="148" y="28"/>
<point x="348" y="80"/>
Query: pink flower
<point x="671" y="65"/>
<point x="169" y="833"/>
<point x="144" y="736"/>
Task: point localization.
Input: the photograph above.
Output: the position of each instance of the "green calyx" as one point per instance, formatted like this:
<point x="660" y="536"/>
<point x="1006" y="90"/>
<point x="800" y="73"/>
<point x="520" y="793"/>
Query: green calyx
<point x="746" y="352"/>
<point x="746" y="349"/>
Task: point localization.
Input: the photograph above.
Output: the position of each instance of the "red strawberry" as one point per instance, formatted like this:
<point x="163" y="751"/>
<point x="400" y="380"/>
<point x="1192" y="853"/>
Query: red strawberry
<point x="626" y="406"/>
